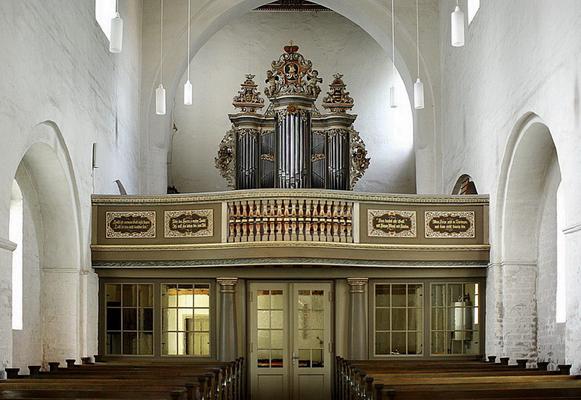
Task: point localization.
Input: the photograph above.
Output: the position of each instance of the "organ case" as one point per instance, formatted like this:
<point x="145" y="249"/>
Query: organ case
<point x="292" y="144"/>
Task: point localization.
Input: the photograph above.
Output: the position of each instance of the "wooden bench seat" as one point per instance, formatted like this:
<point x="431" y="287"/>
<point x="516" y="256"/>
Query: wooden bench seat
<point x="212" y="380"/>
<point x="454" y="380"/>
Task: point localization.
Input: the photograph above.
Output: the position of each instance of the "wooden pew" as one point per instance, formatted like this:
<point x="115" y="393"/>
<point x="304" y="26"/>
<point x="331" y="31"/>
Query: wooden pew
<point x="455" y="380"/>
<point x="208" y="380"/>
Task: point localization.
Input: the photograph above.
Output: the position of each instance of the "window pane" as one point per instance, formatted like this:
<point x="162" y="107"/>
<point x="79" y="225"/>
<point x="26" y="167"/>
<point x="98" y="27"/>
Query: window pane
<point x="113" y="293"/>
<point x="129" y="295"/>
<point x="263" y="299"/>
<point x="113" y="319"/>
<point x="146" y="319"/>
<point x="202" y="296"/>
<point x="398" y="319"/>
<point x="398" y="296"/>
<point x="382" y="319"/>
<point x="398" y="343"/>
<point x="146" y="295"/>
<point x="382" y="343"/>
<point x="415" y="295"/>
<point x="129" y="343"/>
<point x="130" y="319"/>
<point x="114" y="343"/>
<point x="382" y="295"/>
<point x="146" y="343"/>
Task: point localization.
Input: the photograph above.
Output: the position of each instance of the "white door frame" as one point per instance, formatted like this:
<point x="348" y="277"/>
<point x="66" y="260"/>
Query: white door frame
<point x="289" y="376"/>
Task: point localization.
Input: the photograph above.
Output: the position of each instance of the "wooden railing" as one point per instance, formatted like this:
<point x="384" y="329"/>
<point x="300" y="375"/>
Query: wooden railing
<point x="289" y="219"/>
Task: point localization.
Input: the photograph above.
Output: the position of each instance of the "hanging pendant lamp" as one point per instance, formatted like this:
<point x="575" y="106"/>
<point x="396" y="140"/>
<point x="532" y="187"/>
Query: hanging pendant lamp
<point x="392" y="91"/>
<point x="418" y="86"/>
<point x="116" y="40"/>
<point x="457" y="26"/>
<point x="188" y="84"/>
<point x="160" y="91"/>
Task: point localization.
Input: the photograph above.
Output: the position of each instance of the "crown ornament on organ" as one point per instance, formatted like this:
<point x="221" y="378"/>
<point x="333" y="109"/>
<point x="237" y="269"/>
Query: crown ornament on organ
<point x="337" y="99"/>
<point x="248" y="99"/>
<point x="292" y="74"/>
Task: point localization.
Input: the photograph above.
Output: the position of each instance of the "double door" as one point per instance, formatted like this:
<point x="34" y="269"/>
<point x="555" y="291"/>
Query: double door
<point x="290" y="340"/>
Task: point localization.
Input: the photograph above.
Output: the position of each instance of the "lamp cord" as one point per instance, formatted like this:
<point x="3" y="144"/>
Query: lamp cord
<point x="393" y="35"/>
<point x="189" y="27"/>
<point x="418" y="36"/>
<point x="161" y="43"/>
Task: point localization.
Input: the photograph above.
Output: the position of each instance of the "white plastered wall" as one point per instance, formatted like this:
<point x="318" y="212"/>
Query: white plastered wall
<point x="521" y="57"/>
<point x="334" y="44"/>
<point x="61" y="91"/>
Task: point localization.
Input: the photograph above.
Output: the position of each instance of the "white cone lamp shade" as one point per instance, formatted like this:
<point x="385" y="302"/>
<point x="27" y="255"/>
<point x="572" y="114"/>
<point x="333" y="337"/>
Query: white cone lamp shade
<point x="392" y="97"/>
<point x="457" y="27"/>
<point x="188" y="93"/>
<point x="418" y="94"/>
<point x="116" y="41"/>
<point x="160" y="100"/>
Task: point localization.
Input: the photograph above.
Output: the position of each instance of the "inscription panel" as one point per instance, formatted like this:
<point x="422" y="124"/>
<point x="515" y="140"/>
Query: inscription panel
<point x="188" y="223"/>
<point x="130" y="225"/>
<point x="391" y="223"/>
<point x="449" y="224"/>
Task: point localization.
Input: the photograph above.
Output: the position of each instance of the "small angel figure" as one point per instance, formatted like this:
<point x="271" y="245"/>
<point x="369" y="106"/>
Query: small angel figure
<point x="312" y="85"/>
<point x="271" y="81"/>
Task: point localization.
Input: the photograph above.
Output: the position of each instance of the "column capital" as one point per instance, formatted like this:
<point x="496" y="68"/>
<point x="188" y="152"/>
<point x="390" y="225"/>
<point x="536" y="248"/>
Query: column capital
<point x="227" y="285"/>
<point x="357" y="285"/>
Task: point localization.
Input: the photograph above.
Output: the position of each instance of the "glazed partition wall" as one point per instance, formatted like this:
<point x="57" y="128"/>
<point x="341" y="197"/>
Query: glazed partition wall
<point x="157" y="318"/>
<point x="446" y="322"/>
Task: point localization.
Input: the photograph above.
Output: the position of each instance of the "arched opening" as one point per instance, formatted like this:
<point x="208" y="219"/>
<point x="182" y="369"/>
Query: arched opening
<point x="464" y="185"/>
<point x="529" y="245"/>
<point x="369" y="15"/>
<point x="51" y="257"/>
<point x="333" y="43"/>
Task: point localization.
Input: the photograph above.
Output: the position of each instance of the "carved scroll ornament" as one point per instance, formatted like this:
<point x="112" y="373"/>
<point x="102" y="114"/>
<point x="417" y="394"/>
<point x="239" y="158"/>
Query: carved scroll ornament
<point x="359" y="159"/>
<point x="226" y="159"/>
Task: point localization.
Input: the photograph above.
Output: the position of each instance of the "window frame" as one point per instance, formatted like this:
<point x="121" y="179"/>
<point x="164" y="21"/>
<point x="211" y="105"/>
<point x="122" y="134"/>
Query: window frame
<point x="372" y="322"/>
<point x="481" y="315"/>
<point x="427" y="310"/>
<point x="157" y="317"/>
<point x="121" y="307"/>
<point x="211" y="310"/>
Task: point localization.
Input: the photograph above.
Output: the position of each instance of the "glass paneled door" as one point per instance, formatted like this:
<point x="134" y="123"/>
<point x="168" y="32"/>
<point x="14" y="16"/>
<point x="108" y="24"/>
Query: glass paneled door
<point x="290" y="341"/>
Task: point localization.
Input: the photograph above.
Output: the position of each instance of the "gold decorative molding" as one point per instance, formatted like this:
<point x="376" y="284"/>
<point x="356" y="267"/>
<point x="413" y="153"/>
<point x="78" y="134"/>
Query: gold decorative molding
<point x="227" y="285"/>
<point x="404" y="199"/>
<point x="290" y="244"/>
<point x="130" y="224"/>
<point x="392" y="223"/>
<point x="357" y="285"/>
<point x="188" y="223"/>
<point x="449" y="224"/>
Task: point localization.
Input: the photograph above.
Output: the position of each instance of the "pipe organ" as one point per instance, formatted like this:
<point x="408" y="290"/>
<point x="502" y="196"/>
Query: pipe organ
<point x="292" y="144"/>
